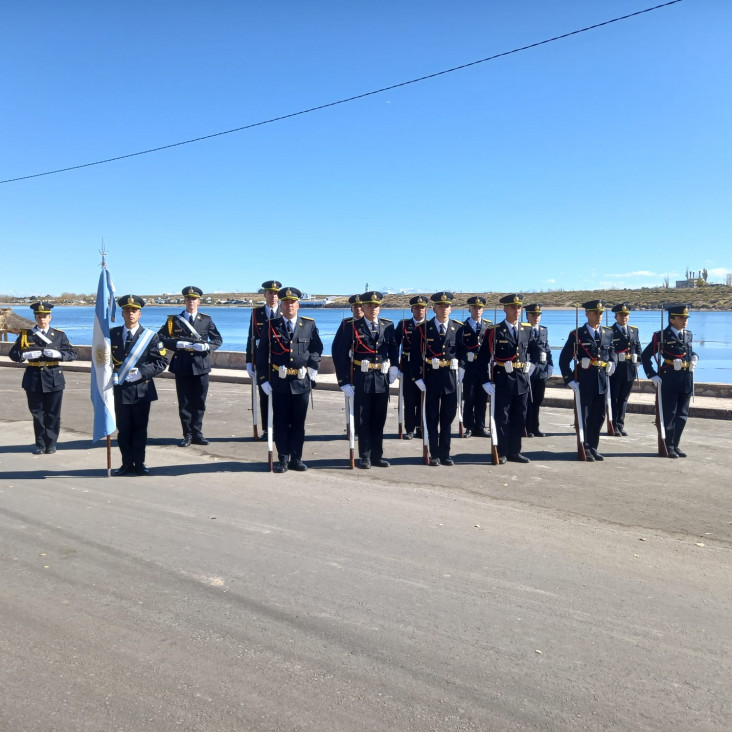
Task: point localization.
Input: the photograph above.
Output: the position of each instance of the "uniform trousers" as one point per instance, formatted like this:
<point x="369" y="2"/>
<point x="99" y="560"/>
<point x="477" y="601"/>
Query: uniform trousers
<point x="538" y="388"/>
<point x="288" y="417"/>
<point x="132" y="420"/>
<point x="45" y="408"/>
<point x="412" y="397"/>
<point x="593" y="417"/>
<point x="675" y="413"/>
<point x="440" y="410"/>
<point x="619" y="393"/>
<point x="370" y="413"/>
<point x="510" y="414"/>
<point x="474" y="405"/>
<point x="191" y="391"/>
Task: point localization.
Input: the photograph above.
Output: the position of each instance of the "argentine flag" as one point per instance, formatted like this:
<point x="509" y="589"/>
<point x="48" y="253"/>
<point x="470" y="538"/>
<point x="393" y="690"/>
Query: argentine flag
<point x="102" y="394"/>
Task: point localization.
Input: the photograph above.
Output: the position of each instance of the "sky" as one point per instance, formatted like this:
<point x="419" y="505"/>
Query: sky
<point x="597" y="161"/>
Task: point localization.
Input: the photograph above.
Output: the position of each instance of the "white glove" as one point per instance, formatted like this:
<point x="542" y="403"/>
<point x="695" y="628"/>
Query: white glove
<point x="364" y="366"/>
<point x="301" y="372"/>
<point x="622" y="356"/>
<point x="282" y="372"/>
<point x="435" y="363"/>
<point x="312" y="373"/>
<point x="250" y="371"/>
<point x="267" y="388"/>
<point x="585" y="363"/>
<point x="549" y="371"/>
<point x="32" y="354"/>
<point x="527" y="367"/>
<point x="542" y="357"/>
<point x="200" y="347"/>
<point x="471" y="356"/>
<point x="530" y="367"/>
<point x="420" y="385"/>
<point x="634" y="357"/>
<point x="133" y="375"/>
<point x="385" y="368"/>
<point x="400" y="375"/>
<point x="347" y="389"/>
<point x="508" y="366"/>
<point x="490" y="388"/>
<point x="694" y="362"/>
<point x="51" y="353"/>
<point x="610" y="368"/>
<point x="461" y="374"/>
<point x="677" y="364"/>
<point x="393" y="374"/>
<point x="454" y="364"/>
<point x="574" y="386"/>
<point x="656" y="380"/>
<point x="183" y="344"/>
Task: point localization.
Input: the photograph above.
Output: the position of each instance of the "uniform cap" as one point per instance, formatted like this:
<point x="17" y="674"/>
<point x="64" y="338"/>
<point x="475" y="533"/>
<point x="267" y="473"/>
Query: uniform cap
<point x="477" y="300"/>
<point x="372" y="297"/>
<point x="42" y="307"/>
<point x="192" y="291"/>
<point x="594" y="305"/>
<point x="513" y="299"/>
<point x="678" y="309"/>
<point x="355" y="300"/>
<point x="442" y="298"/>
<point x="621" y="307"/>
<point x="420" y="300"/>
<point x="271" y="285"/>
<point x="131" y="301"/>
<point x="534" y="307"/>
<point x="289" y="293"/>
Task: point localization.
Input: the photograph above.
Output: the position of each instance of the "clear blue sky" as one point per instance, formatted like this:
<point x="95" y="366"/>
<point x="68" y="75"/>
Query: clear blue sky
<point x="600" y="160"/>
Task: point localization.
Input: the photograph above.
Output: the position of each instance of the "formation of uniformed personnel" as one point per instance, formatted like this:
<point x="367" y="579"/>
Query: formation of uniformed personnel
<point x="669" y="362"/>
<point x="590" y="348"/>
<point x="260" y="317"/>
<point x="433" y="366"/>
<point x="345" y="330"/>
<point x="138" y="355"/>
<point x="192" y="337"/>
<point x="287" y="362"/>
<point x="470" y="339"/>
<point x="404" y="332"/>
<point x="365" y="365"/>
<point x="540" y="355"/>
<point x="626" y="342"/>
<point x="44" y="349"/>
<point x="504" y="356"/>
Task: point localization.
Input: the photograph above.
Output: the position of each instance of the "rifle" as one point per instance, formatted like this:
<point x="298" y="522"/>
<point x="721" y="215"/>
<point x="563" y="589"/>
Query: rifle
<point x="270" y="421"/>
<point x="492" y="408"/>
<point x="351" y="434"/>
<point x="400" y="399"/>
<point x="660" y="424"/>
<point x="255" y="388"/>
<point x="608" y="398"/>
<point x="423" y="397"/>
<point x="578" y="423"/>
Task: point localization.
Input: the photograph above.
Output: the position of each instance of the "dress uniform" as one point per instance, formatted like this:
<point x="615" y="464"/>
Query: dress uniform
<point x="366" y="362"/>
<point x="591" y="349"/>
<point x="287" y="360"/>
<point x="138" y="355"/>
<point x="404" y="333"/>
<point x="628" y="348"/>
<point x="470" y="339"/>
<point x="433" y="366"/>
<point x="257" y="325"/>
<point x="192" y="337"/>
<point x="345" y="332"/>
<point x="504" y="355"/>
<point x="669" y="360"/>
<point x="44" y="348"/>
<point x="540" y="355"/>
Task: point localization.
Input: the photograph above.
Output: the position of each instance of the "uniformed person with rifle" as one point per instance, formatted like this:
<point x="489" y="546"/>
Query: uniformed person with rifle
<point x="138" y="355"/>
<point x="586" y="361"/>
<point x="504" y="355"/>
<point x="43" y="349"/>
<point x="433" y="366"/>
<point x="540" y="355"/>
<point x="287" y="362"/>
<point x="192" y="337"/>
<point x="626" y="342"/>
<point x="669" y="361"/>
<point x="365" y="366"/>
<point x="260" y="317"/>
<point x="470" y="339"/>
<point x="410" y="394"/>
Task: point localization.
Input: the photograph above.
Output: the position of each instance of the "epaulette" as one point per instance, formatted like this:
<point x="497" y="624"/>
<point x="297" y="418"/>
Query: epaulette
<point x="386" y="320"/>
<point x="459" y="322"/>
<point x="303" y="317"/>
<point x="493" y="325"/>
<point x="526" y="325"/>
<point x="348" y="320"/>
<point x="486" y="320"/>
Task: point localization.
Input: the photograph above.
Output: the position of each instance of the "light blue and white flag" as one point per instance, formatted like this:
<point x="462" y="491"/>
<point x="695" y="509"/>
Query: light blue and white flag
<point x="102" y="388"/>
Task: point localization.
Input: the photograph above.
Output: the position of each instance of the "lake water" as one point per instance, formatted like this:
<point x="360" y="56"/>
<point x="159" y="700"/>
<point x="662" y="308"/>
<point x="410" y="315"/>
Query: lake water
<point x="712" y="330"/>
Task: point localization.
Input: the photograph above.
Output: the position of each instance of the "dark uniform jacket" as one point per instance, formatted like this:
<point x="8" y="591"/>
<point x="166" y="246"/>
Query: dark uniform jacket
<point x="670" y="347"/>
<point x="43" y="374"/>
<point x="626" y="370"/>
<point x="537" y="346"/>
<point x="151" y="363"/>
<point x="377" y="350"/>
<point x="469" y="342"/>
<point x="592" y="380"/>
<point x="427" y="344"/>
<point x="257" y="325"/>
<point x="501" y="345"/>
<point x="276" y="349"/>
<point x="403" y="334"/>
<point x="196" y="363"/>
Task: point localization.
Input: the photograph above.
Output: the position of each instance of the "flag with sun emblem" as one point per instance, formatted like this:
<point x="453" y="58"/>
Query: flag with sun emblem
<point x="102" y="388"/>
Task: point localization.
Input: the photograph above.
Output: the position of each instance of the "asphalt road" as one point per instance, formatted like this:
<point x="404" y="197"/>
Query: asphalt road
<point x="213" y="595"/>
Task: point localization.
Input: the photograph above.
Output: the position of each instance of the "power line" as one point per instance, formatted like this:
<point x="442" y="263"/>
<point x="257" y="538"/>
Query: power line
<point x="347" y="99"/>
